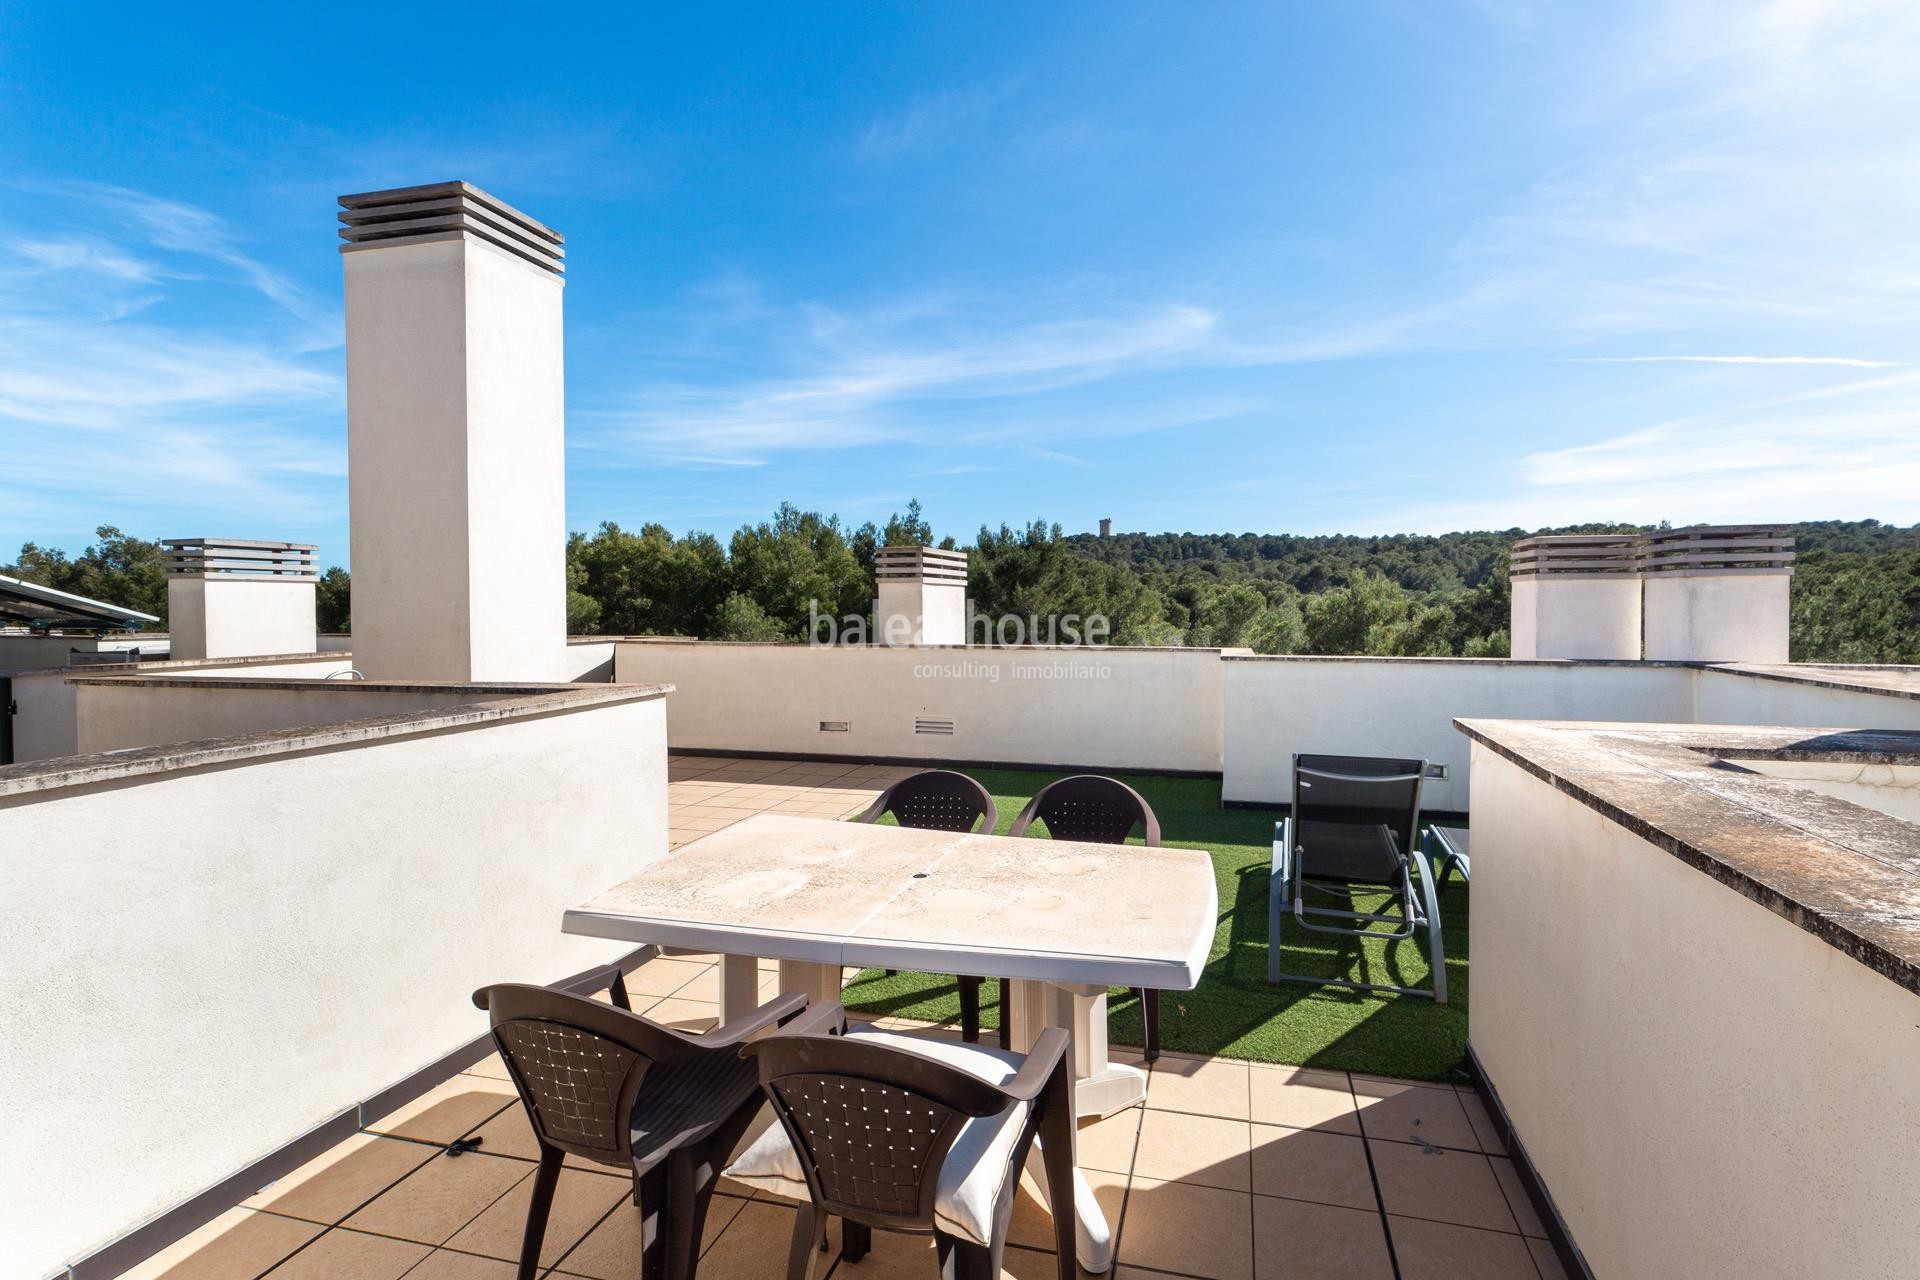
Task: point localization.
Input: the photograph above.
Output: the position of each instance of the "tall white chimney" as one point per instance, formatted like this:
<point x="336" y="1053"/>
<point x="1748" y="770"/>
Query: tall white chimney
<point x="1718" y="593"/>
<point x="455" y="436"/>
<point x="922" y="596"/>
<point x="238" y="598"/>
<point x="1576" y="596"/>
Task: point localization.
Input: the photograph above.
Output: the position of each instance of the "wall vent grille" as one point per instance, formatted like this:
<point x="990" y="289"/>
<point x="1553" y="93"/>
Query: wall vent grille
<point x="933" y="724"/>
<point x="836" y="726"/>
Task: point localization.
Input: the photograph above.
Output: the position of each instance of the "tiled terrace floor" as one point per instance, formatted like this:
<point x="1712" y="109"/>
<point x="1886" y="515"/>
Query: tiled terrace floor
<point x="1230" y="1170"/>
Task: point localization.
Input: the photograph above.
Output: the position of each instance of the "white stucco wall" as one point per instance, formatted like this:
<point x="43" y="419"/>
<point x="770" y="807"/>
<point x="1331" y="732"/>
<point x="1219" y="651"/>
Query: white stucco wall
<point x="1709" y="617"/>
<point x="928" y="613"/>
<point x="1405" y="707"/>
<point x="204" y="964"/>
<point x="220" y="616"/>
<point x="587" y="660"/>
<point x="1729" y="697"/>
<point x="47" y="723"/>
<point x="1706" y="1089"/>
<point x="120" y="716"/>
<point x="1106" y="708"/>
<point x="1576" y="616"/>
<point x="36" y="653"/>
<point x="455" y="437"/>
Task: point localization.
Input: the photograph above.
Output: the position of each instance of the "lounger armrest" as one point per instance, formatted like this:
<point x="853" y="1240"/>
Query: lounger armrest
<point x="777" y="1010"/>
<point x="1042" y="1061"/>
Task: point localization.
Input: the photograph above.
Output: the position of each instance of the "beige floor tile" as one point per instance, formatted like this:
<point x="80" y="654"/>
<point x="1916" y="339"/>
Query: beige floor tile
<point x="1193" y="1230"/>
<point x="1517" y="1198"/>
<point x="342" y="1178"/>
<point x="1546" y="1261"/>
<point x="1208" y="1150"/>
<point x="696" y="1016"/>
<point x="898" y="1256"/>
<point x="352" y="1253"/>
<point x="610" y="1251"/>
<point x="1297" y="1240"/>
<point x="237" y="1245"/>
<point x="1031" y="1226"/>
<point x="440" y="1197"/>
<point x="1482" y="1124"/>
<point x="662" y="977"/>
<point x="491" y="1066"/>
<point x="509" y="1134"/>
<point x="704" y="985"/>
<point x="1307" y="1164"/>
<point x="1402" y="1112"/>
<point x="446" y="1264"/>
<point x="450" y="1110"/>
<point x="1108" y="1143"/>
<point x="1445" y="1186"/>
<point x="579" y="1202"/>
<point x="1201" y="1086"/>
<point x="1302" y="1099"/>
<point x="1440" y="1251"/>
<point x="754" y="1245"/>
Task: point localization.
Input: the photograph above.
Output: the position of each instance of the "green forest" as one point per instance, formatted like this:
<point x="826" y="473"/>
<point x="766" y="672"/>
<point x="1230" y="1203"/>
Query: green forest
<point x="1856" y="591"/>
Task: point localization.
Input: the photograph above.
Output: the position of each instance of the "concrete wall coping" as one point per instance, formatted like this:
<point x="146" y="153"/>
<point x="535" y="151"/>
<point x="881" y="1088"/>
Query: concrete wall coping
<point x="1892" y="681"/>
<point x="514" y="702"/>
<point x="1847" y="874"/>
<point x="184" y="664"/>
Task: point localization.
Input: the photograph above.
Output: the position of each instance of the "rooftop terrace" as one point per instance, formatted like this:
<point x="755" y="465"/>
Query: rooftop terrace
<point x="1281" y="1171"/>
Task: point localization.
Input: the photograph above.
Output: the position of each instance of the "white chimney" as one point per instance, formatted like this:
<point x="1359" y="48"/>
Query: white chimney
<point x="1718" y="593"/>
<point x="235" y="598"/>
<point x="455" y="436"/>
<point x="922" y="596"/>
<point x="1576" y="596"/>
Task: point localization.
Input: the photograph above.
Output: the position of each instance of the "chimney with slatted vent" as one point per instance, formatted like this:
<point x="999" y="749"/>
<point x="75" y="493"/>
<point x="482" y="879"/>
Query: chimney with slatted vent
<point x="454" y="436"/>
<point x="1717" y="593"/>
<point x="922" y="596"/>
<point x="238" y="598"/>
<point x="1576" y="596"/>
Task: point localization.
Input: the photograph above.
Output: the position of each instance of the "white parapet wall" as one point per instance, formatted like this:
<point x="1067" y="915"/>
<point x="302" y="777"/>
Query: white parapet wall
<point x="211" y="951"/>
<point x="1706" y="1088"/>
<point x="1405" y="707"/>
<point x="1118" y="708"/>
<point x="455" y="426"/>
<point x="46" y="703"/>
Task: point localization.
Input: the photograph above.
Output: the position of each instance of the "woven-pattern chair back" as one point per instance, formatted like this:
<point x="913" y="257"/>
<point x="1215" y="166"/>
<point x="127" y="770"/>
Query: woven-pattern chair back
<point x="573" y="1083"/>
<point x="872" y="1147"/>
<point x="937" y="800"/>
<point x="871" y="1123"/>
<point x="578" y="1064"/>
<point x="1092" y="809"/>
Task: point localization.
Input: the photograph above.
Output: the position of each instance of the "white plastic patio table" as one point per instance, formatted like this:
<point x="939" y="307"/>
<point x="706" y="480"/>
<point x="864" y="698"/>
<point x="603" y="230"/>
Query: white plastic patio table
<point x="1064" y="920"/>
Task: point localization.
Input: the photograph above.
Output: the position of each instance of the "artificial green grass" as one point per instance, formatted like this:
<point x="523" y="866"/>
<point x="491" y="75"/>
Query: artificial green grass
<point x="1234" y="1011"/>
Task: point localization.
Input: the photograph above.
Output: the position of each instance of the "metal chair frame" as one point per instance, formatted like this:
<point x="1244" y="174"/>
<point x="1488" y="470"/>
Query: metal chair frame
<point x="1290" y="882"/>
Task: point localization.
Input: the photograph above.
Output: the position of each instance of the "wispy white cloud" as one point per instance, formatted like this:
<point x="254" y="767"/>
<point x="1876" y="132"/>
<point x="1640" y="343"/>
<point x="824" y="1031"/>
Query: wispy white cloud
<point x="865" y="379"/>
<point x="1844" y="361"/>
<point x="120" y="392"/>
<point x="930" y="120"/>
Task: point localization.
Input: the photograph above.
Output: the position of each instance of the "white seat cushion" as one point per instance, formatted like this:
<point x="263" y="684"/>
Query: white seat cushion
<point x="976" y="1168"/>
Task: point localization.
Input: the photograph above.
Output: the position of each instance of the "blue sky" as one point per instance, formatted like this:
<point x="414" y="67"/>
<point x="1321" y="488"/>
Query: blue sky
<point x="1366" y="267"/>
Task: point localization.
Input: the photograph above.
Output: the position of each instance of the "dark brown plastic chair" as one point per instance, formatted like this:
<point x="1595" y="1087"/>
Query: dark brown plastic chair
<point x="942" y="800"/>
<point x="1095" y="810"/>
<point x="602" y="1083"/>
<point x="875" y="1125"/>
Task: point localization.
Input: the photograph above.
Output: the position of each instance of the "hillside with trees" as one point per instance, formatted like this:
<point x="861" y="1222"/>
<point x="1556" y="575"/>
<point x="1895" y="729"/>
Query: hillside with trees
<point x="1856" y="592"/>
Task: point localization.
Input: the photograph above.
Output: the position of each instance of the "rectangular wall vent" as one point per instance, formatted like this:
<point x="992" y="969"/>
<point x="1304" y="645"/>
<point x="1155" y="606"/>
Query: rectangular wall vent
<point x="835" y="726"/>
<point x="925" y="724"/>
